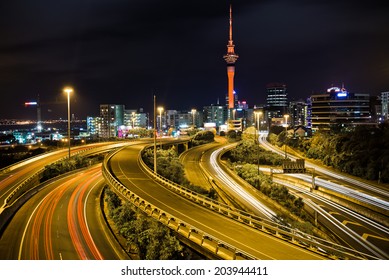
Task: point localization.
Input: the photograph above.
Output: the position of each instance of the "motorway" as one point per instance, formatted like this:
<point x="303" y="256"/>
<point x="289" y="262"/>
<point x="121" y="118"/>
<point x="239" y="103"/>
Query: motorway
<point x="352" y="228"/>
<point x="201" y="169"/>
<point x="12" y="176"/>
<point x="125" y="167"/>
<point x="357" y="187"/>
<point x="62" y="222"/>
<point x="42" y="232"/>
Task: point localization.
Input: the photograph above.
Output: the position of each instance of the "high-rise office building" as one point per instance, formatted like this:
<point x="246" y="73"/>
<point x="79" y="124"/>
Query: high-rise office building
<point x="112" y="116"/>
<point x="134" y="118"/>
<point x="276" y="102"/>
<point x="298" y="111"/>
<point x="217" y="114"/>
<point x="385" y="105"/>
<point x="277" y="97"/>
<point x="339" y="107"/>
<point x="93" y="125"/>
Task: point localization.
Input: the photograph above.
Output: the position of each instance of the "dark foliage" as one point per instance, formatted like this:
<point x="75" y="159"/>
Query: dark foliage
<point x="169" y="167"/>
<point x="146" y="237"/>
<point x="362" y="152"/>
<point x="63" y="166"/>
<point x="249" y="152"/>
<point x="203" y="137"/>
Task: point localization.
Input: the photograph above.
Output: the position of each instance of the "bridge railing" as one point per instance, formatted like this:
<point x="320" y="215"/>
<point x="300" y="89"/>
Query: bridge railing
<point x="217" y="247"/>
<point x="313" y="243"/>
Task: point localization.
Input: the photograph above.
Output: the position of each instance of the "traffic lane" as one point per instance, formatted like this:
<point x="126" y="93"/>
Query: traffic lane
<point x="46" y="235"/>
<point x="78" y="228"/>
<point x="21" y="171"/>
<point x="125" y="167"/>
<point x="47" y="231"/>
<point x="24" y="170"/>
<point x="345" y="179"/>
<point x="325" y="213"/>
<point x="98" y="229"/>
<point x="358" y="223"/>
<point x="191" y="160"/>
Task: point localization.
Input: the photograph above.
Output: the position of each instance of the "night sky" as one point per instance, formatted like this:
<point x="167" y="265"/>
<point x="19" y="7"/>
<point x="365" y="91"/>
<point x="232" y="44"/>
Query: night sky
<point x="125" y="51"/>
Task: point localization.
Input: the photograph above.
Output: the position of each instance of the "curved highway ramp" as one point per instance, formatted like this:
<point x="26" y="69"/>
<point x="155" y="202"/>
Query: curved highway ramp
<point x="223" y="236"/>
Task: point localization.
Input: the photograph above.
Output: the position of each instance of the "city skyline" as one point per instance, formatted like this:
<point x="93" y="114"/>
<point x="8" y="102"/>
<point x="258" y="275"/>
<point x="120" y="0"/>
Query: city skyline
<point x="124" y="53"/>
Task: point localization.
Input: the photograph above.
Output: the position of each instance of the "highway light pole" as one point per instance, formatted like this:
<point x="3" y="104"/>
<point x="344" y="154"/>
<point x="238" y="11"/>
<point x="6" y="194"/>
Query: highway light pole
<point x="133" y="120"/>
<point x="193" y="117"/>
<point x="257" y="114"/>
<point x="286" y="132"/>
<point x="155" y="138"/>
<point x="160" y="109"/>
<point x="68" y="91"/>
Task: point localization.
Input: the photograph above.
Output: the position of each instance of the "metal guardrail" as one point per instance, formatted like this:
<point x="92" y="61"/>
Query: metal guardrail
<point x="318" y="245"/>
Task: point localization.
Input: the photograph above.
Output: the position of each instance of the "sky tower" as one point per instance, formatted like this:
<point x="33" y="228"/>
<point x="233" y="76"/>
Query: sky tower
<point x="230" y="58"/>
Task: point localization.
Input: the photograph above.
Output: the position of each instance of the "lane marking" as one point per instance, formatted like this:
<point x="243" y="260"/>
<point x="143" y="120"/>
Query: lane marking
<point x="345" y="222"/>
<point x="366" y="236"/>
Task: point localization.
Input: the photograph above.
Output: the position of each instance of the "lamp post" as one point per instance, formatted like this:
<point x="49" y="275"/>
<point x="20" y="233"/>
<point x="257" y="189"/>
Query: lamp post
<point x="286" y="132"/>
<point x="133" y="120"/>
<point x="68" y="91"/>
<point x="257" y="119"/>
<point x="160" y="109"/>
<point x="193" y="117"/>
<point x="155" y="138"/>
<point x="257" y="114"/>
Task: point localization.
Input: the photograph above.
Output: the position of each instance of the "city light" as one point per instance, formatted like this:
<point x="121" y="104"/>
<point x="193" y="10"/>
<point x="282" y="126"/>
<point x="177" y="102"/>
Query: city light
<point x="160" y="109"/>
<point x="30" y="103"/>
<point x="193" y="116"/>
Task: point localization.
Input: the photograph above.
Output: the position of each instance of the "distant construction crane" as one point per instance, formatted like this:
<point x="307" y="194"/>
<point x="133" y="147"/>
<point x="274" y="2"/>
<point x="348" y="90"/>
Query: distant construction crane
<point x="38" y="104"/>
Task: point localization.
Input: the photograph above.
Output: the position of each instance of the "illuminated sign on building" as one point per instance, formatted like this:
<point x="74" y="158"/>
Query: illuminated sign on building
<point x="340" y="92"/>
<point x="30" y="103"/>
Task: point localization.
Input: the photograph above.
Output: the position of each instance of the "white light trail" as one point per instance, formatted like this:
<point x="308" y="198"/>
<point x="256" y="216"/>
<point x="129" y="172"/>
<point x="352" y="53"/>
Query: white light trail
<point x="237" y="189"/>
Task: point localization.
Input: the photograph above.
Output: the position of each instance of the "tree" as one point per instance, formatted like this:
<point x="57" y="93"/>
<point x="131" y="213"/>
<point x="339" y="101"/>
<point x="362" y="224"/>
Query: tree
<point x="203" y="137"/>
<point x="250" y="134"/>
<point x="145" y="236"/>
<point x="232" y="136"/>
<point x="112" y="199"/>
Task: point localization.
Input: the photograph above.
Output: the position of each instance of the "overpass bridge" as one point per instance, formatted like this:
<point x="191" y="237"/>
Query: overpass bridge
<point x="212" y="228"/>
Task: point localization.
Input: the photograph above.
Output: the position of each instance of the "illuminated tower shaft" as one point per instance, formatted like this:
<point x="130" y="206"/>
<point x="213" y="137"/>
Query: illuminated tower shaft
<point x="230" y="58"/>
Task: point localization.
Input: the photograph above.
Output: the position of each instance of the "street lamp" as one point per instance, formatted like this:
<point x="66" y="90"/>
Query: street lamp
<point x="155" y="136"/>
<point x="68" y="91"/>
<point x="257" y="118"/>
<point x="286" y="120"/>
<point x="133" y="120"/>
<point x="160" y="109"/>
<point x="286" y="132"/>
<point x="193" y="117"/>
<point x="257" y="114"/>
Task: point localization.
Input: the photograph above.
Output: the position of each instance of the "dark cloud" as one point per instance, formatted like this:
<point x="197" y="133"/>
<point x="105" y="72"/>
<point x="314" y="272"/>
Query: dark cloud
<point x="120" y="51"/>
